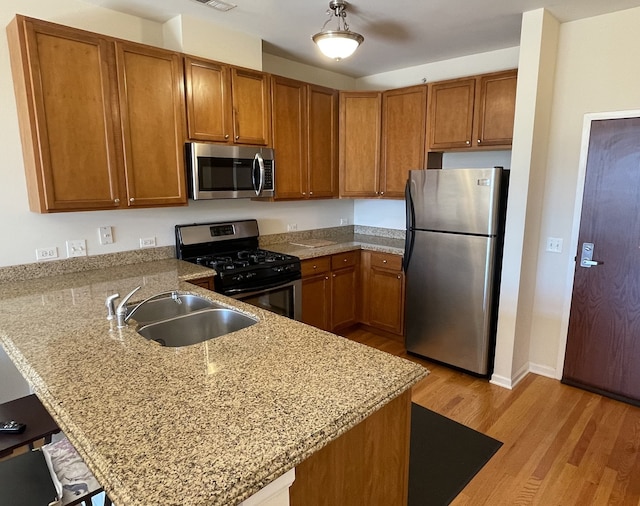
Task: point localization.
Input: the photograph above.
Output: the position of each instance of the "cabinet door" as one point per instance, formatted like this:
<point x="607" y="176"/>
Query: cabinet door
<point x="316" y="301"/>
<point x="289" y="107"/>
<point x="360" y="121"/>
<point x="153" y="118"/>
<point x="65" y="86"/>
<point x="451" y="114"/>
<point x="344" y="286"/>
<point x="404" y="113"/>
<point x="495" y="109"/>
<point x="322" y="142"/>
<point x="208" y="100"/>
<point x="386" y="299"/>
<point x="251" y="112"/>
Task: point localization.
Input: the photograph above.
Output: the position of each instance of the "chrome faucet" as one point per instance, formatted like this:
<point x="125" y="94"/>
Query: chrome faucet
<point x="110" y="303"/>
<point x="121" y="311"/>
<point x="126" y="316"/>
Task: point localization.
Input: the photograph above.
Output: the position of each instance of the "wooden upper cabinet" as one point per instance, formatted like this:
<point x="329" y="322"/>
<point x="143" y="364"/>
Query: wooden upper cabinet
<point x="251" y="113"/>
<point x="496" y="108"/>
<point x="227" y="104"/>
<point x="404" y="113"/>
<point x="289" y="106"/>
<point x="475" y="112"/>
<point x="101" y="120"/>
<point x="360" y="125"/>
<point x="208" y="90"/>
<point x="322" y="118"/>
<point x="305" y="119"/>
<point x="65" y="85"/>
<point x="150" y="83"/>
<point x="451" y="113"/>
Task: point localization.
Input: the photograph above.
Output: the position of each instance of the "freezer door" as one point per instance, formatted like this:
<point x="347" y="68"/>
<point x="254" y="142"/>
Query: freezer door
<point x="456" y="200"/>
<point x="448" y="305"/>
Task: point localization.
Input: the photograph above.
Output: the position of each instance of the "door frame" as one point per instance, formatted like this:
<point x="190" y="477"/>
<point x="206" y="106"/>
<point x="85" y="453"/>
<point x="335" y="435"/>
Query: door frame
<point x="577" y="216"/>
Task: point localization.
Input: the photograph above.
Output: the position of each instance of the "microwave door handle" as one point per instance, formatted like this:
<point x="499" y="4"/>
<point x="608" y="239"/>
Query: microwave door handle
<point x="260" y="161"/>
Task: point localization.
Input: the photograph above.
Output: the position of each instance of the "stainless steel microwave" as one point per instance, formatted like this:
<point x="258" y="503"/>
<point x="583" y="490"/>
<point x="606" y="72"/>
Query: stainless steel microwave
<point x="229" y="172"/>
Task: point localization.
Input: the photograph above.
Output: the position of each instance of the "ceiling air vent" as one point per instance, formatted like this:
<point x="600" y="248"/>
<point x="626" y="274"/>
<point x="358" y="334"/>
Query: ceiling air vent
<point x="217" y="4"/>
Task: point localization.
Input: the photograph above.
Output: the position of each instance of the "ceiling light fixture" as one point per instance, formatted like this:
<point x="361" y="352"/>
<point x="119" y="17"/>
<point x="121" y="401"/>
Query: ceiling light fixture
<point x="340" y="43"/>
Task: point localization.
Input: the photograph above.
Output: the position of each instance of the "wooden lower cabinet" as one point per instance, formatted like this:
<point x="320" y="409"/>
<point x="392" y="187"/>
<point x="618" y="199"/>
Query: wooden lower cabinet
<point x="354" y="287"/>
<point x="366" y="466"/>
<point x="383" y="292"/>
<point x="203" y="282"/>
<point x="329" y="285"/>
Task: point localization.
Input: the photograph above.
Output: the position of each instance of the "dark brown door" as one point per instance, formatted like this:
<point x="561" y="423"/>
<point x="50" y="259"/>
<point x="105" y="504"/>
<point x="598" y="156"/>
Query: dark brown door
<point x="603" y="343"/>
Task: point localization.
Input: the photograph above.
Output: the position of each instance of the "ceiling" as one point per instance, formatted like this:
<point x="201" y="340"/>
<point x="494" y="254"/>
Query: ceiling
<point x="398" y="33"/>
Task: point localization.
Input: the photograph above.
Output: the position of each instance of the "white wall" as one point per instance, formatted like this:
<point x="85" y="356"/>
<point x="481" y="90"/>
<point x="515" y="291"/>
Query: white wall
<point x="533" y="104"/>
<point x="481" y="63"/>
<point x="294" y="70"/>
<point x="598" y="70"/>
<point x="23" y="231"/>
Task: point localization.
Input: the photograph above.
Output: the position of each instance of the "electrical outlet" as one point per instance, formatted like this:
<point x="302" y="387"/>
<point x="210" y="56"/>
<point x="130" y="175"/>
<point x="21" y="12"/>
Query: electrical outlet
<point x="147" y="242"/>
<point x="105" y="234"/>
<point x="76" y="248"/>
<point x="47" y="253"/>
<point x="292" y="227"/>
<point x="554" y="244"/>
<point x="344" y="221"/>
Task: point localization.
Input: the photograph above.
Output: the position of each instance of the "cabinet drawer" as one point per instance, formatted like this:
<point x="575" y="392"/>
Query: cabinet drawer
<point x="315" y="266"/>
<point x="386" y="261"/>
<point x="341" y="260"/>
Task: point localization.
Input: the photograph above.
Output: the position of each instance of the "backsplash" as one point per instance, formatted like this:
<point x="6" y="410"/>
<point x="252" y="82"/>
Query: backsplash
<point x="81" y="264"/>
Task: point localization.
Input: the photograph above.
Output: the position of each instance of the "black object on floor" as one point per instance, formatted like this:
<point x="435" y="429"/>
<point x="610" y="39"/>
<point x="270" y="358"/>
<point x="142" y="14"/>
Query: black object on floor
<point x="444" y="457"/>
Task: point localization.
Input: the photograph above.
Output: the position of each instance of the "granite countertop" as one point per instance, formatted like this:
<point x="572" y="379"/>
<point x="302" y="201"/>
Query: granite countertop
<point x="210" y="423"/>
<point x="340" y="244"/>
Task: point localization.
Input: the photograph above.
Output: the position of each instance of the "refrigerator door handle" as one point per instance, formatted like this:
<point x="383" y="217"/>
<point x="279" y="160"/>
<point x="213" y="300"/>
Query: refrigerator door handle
<point x="411" y="220"/>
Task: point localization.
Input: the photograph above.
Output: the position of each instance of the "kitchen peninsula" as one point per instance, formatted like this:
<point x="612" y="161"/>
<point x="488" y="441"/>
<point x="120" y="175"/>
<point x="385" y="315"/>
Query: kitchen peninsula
<point x="211" y="423"/>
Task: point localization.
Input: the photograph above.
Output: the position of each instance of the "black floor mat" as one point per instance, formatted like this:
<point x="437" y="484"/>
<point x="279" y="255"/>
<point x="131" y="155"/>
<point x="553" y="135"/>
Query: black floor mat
<point x="445" y="455"/>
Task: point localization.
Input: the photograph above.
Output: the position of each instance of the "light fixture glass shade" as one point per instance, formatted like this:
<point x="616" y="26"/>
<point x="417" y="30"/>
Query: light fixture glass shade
<point x="338" y="44"/>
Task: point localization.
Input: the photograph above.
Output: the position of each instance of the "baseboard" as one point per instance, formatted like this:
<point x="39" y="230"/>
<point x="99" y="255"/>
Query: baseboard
<point x="501" y="381"/>
<point x="510" y="383"/>
<point x="543" y="370"/>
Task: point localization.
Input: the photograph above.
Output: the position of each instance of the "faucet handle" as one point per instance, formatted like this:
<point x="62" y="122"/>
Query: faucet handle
<point x="121" y="311"/>
<point x="110" y="303"/>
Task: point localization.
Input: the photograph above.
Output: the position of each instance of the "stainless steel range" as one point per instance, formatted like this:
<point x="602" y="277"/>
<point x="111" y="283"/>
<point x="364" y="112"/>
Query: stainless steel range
<point x="244" y="271"/>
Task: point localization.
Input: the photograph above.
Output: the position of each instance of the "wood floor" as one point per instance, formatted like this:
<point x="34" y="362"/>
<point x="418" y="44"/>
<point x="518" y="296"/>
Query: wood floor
<point x="562" y="445"/>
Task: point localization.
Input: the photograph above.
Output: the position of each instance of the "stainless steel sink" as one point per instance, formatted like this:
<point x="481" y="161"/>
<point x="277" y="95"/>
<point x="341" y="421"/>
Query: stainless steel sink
<point x="168" y="306"/>
<point x="196" y="327"/>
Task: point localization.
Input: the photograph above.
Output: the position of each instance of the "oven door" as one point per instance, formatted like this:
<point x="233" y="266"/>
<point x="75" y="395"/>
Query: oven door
<point x="284" y="300"/>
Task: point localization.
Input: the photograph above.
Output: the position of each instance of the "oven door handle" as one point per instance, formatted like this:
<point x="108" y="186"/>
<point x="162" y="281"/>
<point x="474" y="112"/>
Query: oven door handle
<point x="260" y="184"/>
<point x="256" y="290"/>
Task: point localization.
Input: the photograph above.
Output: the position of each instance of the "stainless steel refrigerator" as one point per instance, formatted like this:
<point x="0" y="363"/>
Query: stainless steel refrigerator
<point x="453" y="255"/>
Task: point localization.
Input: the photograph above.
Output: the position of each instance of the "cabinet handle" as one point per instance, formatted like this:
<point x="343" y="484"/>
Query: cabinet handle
<point x="237" y="137"/>
<point x="310" y="193"/>
<point x="116" y="201"/>
<point x="479" y="141"/>
<point x="467" y="142"/>
<point x="327" y="277"/>
<point x="381" y="193"/>
<point x="226" y="136"/>
<point x="334" y="275"/>
<point x="384" y="261"/>
<point x="399" y="276"/>
<point x="132" y="199"/>
<point x="304" y="193"/>
<point x="344" y="260"/>
<point x="315" y="266"/>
